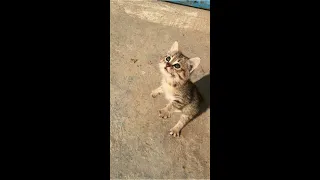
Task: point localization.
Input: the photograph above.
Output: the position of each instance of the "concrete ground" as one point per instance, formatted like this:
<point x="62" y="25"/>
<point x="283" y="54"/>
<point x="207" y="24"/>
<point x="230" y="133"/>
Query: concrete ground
<point x="140" y="144"/>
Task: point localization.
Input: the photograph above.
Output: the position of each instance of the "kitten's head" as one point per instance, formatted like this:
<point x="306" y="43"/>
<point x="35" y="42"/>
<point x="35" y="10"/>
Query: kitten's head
<point x="176" y="67"/>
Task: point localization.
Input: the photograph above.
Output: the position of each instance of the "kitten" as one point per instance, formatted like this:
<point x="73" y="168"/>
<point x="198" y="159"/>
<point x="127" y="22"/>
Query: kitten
<point x="182" y="94"/>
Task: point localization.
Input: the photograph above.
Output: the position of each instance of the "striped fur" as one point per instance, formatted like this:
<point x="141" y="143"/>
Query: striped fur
<point x="181" y="93"/>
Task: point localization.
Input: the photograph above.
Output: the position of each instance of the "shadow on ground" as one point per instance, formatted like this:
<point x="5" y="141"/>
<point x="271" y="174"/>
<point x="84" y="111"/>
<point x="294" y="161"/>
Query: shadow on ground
<point x="203" y="86"/>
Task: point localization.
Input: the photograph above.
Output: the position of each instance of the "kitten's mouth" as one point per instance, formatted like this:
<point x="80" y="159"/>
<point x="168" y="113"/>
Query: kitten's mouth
<point x="169" y="72"/>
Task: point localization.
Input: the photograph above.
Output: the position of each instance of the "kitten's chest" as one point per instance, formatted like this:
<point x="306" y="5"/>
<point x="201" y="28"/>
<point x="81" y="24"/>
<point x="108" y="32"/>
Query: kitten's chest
<point x="168" y="90"/>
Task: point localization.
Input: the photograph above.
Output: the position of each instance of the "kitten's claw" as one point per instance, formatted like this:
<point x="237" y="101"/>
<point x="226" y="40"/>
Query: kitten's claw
<point x="175" y="132"/>
<point x="163" y="113"/>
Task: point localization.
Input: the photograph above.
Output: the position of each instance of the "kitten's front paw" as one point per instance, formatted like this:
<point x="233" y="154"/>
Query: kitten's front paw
<point x="175" y="132"/>
<point x="154" y="94"/>
<point x="163" y="113"/>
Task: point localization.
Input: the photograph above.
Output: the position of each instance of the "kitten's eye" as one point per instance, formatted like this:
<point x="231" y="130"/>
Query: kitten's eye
<point x="168" y="58"/>
<point x="177" y="66"/>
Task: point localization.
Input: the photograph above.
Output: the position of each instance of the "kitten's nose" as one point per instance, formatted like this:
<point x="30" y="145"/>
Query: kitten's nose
<point x="168" y="65"/>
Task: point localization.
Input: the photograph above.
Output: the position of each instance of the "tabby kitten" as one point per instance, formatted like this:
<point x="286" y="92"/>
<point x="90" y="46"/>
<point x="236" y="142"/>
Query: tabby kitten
<point x="182" y="94"/>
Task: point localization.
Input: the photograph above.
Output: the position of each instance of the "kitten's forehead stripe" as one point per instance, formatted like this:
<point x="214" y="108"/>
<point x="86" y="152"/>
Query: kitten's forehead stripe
<point x="179" y="56"/>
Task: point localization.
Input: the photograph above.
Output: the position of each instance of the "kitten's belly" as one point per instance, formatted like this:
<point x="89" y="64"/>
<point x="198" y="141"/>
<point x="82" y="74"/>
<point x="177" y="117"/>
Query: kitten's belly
<point x="169" y="96"/>
<point x="168" y="91"/>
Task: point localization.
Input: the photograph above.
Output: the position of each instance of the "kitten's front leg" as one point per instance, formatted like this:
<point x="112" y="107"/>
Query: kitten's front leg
<point x="184" y="119"/>
<point x="156" y="92"/>
<point x="166" y="111"/>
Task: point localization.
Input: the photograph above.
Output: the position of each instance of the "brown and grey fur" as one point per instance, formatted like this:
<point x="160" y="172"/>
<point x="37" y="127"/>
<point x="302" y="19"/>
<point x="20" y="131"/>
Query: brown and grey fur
<point x="181" y="93"/>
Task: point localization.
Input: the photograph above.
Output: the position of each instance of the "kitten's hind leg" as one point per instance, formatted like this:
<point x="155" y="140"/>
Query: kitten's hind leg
<point x="156" y="92"/>
<point x="184" y="119"/>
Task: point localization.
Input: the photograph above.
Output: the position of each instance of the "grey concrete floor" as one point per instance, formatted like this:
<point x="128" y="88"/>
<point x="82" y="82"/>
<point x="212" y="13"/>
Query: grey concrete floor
<point x="140" y="144"/>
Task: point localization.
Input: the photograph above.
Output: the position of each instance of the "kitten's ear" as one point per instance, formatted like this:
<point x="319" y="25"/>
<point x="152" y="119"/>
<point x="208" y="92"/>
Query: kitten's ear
<point x="194" y="63"/>
<point x="174" y="47"/>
